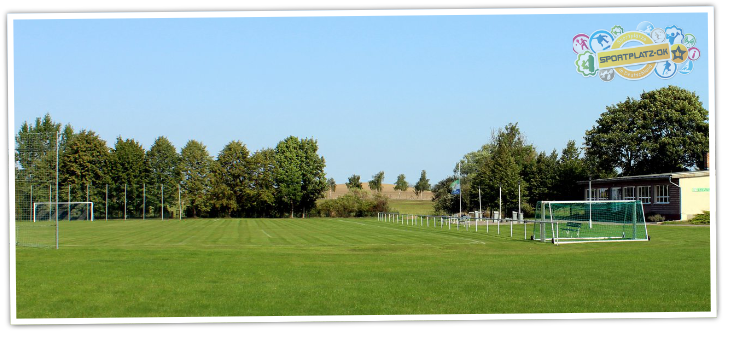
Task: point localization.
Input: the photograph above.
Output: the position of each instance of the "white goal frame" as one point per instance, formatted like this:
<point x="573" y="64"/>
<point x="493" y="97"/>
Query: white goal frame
<point x="554" y="224"/>
<point x="68" y="203"/>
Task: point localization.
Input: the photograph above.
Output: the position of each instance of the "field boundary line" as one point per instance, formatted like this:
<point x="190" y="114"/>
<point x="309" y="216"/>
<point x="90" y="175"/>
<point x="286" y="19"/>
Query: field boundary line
<point x="264" y="232"/>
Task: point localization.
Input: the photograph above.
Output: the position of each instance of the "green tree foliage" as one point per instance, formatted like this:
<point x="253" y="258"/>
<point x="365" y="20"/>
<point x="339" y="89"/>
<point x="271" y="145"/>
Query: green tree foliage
<point x="262" y="193"/>
<point x="505" y="168"/>
<point x="127" y="166"/>
<point x="443" y="201"/>
<point x="353" y="182"/>
<point x="300" y="176"/>
<point x="230" y="180"/>
<point x="422" y="185"/>
<point x="163" y="169"/>
<point x="666" y="130"/>
<point x="85" y="161"/>
<point x="38" y="143"/>
<point x="571" y="169"/>
<point x="401" y="185"/>
<point x="195" y="166"/>
<point x="376" y="182"/>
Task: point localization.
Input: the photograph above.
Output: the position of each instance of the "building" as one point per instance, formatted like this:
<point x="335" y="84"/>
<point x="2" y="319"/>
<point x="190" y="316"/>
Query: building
<point x="676" y="196"/>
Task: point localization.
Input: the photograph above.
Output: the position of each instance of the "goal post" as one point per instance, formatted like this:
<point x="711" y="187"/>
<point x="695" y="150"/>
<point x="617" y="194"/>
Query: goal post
<point x="565" y="222"/>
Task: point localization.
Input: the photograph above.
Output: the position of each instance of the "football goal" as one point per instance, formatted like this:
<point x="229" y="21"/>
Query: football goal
<point x="564" y="222"/>
<point x="79" y="210"/>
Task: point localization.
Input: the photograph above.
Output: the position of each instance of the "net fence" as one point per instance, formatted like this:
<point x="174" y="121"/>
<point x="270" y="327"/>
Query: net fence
<point x="36" y="179"/>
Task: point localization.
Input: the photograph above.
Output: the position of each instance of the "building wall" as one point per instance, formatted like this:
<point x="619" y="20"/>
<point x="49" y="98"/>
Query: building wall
<point x="670" y="210"/>
<point x="695" y="196"/>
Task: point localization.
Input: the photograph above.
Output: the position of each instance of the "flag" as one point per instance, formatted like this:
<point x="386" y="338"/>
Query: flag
<point x="456" y="187"/>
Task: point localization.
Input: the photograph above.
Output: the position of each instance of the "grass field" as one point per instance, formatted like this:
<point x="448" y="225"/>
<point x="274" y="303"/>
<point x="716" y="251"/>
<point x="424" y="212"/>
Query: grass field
<point x="422" y="207"/>
<point x="254" y="267"/>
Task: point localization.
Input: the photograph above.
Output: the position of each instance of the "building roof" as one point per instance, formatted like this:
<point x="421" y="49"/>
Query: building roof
<point x="674" y="175"/>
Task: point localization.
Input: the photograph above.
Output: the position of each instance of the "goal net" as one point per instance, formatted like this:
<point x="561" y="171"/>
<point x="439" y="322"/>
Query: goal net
<point x="81" y="210"/>
<point x="36" y="179"/>
<point x="590" y="221"/>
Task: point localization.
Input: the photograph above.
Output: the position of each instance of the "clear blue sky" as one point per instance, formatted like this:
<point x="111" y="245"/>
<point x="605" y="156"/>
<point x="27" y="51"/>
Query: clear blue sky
<point x="398" y="94"/>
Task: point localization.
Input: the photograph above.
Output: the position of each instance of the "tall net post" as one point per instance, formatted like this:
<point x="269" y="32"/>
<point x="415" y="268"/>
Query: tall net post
<point x="36" y="178"/>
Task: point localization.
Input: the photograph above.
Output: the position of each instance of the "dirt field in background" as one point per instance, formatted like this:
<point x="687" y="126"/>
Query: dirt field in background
<point x="387" y="189"/>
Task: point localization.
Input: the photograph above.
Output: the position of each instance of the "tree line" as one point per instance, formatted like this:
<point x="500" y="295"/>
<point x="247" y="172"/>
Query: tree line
<point x="272" y="182"/>
<point x="665" y="130"/>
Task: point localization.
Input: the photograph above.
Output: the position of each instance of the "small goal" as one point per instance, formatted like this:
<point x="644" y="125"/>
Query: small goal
<point x="74" y="210"/>
<point x="563" y="222"/>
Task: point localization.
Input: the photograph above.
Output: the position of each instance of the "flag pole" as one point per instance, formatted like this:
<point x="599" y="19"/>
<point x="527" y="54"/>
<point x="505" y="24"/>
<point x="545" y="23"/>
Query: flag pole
<point x="460" y="192"/>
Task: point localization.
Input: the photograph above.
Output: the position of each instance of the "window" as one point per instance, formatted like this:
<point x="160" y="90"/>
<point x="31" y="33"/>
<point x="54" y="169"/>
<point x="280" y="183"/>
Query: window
<point x="629" y="193"/>
<point x="616" y="193"/>
<point x="602" y="194"/>
<point x="661" y="194"/>
<point x="644" y="194"/>
<point x="597" y="194"/>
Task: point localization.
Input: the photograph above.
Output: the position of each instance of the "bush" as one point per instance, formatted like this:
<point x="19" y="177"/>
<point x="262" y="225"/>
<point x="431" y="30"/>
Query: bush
<point x="356" y="203"/>
<point x="656" y="218"/>
<point x="701" y="219"/>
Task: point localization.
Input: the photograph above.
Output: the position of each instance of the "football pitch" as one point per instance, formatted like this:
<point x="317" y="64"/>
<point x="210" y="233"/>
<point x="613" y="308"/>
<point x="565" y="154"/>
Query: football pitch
<point x="291" y="267"/>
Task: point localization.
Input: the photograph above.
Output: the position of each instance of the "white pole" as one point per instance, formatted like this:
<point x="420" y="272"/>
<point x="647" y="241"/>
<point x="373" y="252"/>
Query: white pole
<point x="56" y="190"/>
<point x="501" y="215"/>
<point x="480" y="212"/>
<point x="519" y="211"/>
<point x="31" y="202"/>
<point x="590" y="200"/>
<point x="511" y="228"/>
<point x="487" y="226"/>
<point x="460" y="191"/>
<point x="88" y="214"/>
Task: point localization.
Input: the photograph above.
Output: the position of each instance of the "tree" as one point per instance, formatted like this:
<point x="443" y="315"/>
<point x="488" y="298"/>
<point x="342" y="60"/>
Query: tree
<point x="85" y="161"/>
<point x="331" y="186"/>
<point x="353" y="182"/>
<point x="401" y="185"/>
<point x="443" y="201"/>
<point x="422" y="185"/>
<point x="300" y="176"/>
<point x="376" y="182"/>
<point x="666" y="130"/>
<point x="127" y="168"/>
<point x="571" y="169"/>
<point x="195" y="166"/>
<point x="163" y="169"/>
<point x="262" y="192"/>
<point x="508" y="164"/>
<point x="230" y="179"/>
<point x="38" y="143"/>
